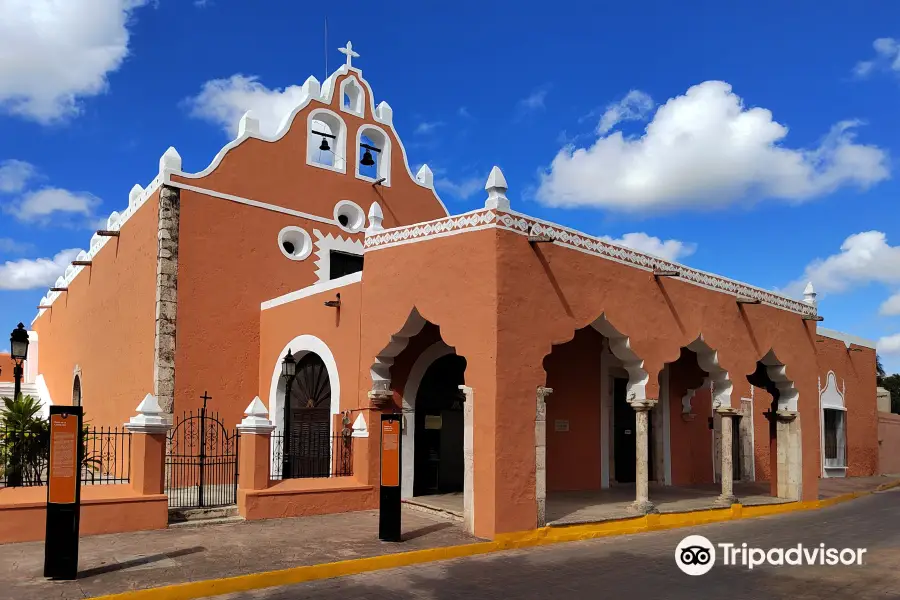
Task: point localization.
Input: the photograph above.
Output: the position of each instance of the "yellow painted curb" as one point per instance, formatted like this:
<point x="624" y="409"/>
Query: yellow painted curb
<point x="505" y="541"/>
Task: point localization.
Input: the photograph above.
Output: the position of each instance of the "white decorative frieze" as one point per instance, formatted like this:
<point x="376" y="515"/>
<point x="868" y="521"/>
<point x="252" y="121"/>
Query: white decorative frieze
<point x="530" y="226"/>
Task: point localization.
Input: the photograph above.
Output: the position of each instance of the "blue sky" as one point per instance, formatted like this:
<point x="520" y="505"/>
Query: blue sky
<point x="754" y="141"/>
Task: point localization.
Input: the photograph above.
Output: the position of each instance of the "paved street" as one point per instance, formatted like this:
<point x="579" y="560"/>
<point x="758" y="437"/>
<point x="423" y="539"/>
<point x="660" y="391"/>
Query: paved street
<point x="643" y="566"/>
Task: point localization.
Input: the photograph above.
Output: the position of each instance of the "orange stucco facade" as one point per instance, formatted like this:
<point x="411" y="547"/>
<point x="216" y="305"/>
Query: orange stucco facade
<point x="527" y="304"/>
<point x="102" y="328"/>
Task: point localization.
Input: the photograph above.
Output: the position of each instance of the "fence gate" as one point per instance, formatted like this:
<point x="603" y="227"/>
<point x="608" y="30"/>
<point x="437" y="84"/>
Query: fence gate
<point x="201" y="462"/>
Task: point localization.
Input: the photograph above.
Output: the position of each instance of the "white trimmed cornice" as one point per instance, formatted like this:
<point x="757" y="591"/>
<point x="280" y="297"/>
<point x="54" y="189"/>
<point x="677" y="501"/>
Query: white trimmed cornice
<point x="581" y="242"/>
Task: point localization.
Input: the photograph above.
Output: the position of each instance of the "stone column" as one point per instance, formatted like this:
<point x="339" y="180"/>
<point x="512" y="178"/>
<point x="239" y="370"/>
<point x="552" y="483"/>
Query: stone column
<point x="790" y="458"/>
<point x="166" y="296"/>
<point x="642" y="504"/>
<point x="255" y="451"/>
<point x="727" y="497"/>
<point x="468" y="459"/>
<point x="148" y="447"/>
<point x="540" y="454"/>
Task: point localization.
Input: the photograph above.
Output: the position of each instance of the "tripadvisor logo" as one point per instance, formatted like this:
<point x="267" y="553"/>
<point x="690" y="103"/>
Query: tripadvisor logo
<point x="696" y="555"/>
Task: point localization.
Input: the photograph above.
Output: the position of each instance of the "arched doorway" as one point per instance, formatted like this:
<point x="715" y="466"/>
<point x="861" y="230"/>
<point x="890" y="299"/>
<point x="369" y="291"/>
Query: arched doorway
<point x="309" y="420"/>
<point x="439" y="466"/>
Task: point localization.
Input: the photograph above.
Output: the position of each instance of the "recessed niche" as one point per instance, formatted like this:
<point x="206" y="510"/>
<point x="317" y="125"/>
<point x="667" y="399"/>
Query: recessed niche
<point x="294" y="243"/>
<point x="350" y="216"/>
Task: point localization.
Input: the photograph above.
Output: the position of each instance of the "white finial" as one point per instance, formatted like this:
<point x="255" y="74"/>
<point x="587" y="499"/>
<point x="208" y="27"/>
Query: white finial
<point x="150" y="417"/>
<point x="348" y="50"/>
<point x="384" y="112"/>
<point x="375" y="218"/>
<point x="359" y="427"/>
<point x="170" y="160"/>
<point x="496" y="188"/>
<point x="248" y="125"/>
<point x="809" y="294"/>
<point x="135" y="194"/>
<point x="425" y="176"/>
<point x="257" y="419"/>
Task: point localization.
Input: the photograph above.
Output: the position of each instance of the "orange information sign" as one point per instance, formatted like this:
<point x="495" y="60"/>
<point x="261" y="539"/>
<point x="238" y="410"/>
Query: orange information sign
<point x="63" y="480"/>
<point x="390" y="453"/>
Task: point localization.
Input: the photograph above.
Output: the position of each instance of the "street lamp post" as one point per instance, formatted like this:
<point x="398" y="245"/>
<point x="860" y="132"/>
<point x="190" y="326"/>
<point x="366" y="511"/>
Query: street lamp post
<point x="18" y="343"/>
<point x="288" y="372"/>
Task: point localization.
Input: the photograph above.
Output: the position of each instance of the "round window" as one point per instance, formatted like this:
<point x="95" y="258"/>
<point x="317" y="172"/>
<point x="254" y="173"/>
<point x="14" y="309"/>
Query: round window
<point x="295" y="243"/>
<point x="350" y="216"/>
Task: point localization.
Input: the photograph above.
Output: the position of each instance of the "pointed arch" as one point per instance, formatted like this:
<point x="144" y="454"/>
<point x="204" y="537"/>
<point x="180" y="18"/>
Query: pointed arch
<point x="380" y="371"/>
<point x="708" y="359"/>
<point x="788" y="394"/>
<point x="620" y="346"/>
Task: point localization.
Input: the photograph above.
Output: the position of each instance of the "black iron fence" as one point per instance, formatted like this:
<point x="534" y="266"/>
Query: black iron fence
<point x="312" y="454"/>
<point x="201" y="462"/>
<point x="24" y="455"/>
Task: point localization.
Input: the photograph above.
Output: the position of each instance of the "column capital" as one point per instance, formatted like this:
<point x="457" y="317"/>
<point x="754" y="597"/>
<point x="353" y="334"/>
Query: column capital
<point x="728" y="411"/>
<point x="643" y="404"/>
<point x="543" y="392"/>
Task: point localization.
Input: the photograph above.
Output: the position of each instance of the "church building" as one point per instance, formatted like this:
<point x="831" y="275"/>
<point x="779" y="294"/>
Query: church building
<point x="530" y="362"/>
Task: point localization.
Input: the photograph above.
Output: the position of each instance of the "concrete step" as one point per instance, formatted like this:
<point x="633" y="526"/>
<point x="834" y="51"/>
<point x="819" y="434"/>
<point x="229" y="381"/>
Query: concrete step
<point x="8" y="388"/>
<point x="190" y="515"/>
<point x="205" y="522"/>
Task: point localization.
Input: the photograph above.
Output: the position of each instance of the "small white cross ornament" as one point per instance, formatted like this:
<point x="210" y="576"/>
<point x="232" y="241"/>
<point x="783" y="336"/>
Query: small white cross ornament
<point x="348" y="50"/>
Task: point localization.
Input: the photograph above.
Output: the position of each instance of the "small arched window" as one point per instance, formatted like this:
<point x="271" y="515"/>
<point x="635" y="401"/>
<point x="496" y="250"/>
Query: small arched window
<point x="373" y="155"/>
<point x="76" y="391"/>
<point x="326" y="141"/>
<point x="352" y="97"/>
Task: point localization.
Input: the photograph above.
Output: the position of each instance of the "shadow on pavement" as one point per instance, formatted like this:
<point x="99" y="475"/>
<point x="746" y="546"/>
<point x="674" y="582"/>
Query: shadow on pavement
<point x="137" y="562"/>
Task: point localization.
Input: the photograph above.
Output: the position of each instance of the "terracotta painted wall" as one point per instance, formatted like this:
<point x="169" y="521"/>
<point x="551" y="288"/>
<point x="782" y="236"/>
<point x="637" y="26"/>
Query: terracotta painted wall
<point x="855" y="371"/>
<point x="6" y="367"/>
<point x="230" y="260"/>
<point x="762" y="442"/>
<point x="339" y="329"/>
<point x="506" y="331"/>
<point x="690" y="439"/>
<point x="460" y="297"/>
<point x="888" y="444"/>
<point x="277" y="173"/>
<point x="573" y="371"/>
<point x="105" y="324"/>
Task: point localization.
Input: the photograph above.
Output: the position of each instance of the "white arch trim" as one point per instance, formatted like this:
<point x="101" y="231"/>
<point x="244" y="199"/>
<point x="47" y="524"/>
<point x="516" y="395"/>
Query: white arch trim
<point x="300" y="346"/>
<point x="416" y="373"/>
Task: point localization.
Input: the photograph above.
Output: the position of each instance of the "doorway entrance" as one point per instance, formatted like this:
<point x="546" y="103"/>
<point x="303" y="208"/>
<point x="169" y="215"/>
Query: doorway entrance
<point x="625" y="435"/>
<point x="308" y="443"/>
<point x="439" y="466"/>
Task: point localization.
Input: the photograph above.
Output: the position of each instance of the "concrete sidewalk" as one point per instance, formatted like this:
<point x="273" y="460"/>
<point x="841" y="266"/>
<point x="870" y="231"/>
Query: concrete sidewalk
<point x="127" y="561"/>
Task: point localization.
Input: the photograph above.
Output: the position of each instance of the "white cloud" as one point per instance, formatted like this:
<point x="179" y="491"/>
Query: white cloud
<point x="887" y="58"/>
<point x="668" y="249"/>
<point x="535" y="100"/>
<point x="635" y="106"/>
<point x="864" y="258"/>
<point x="26" y="274"/>
<point x="40" y="204"/>
<point x="464" y="112"/>
<point x="11" y="246"/>
<point x="891" y="306"/>
<point x="54" y="52"/>
<point x="427" y="127"/>
<point x="14" y="175"/>
<point x="224" y="101"/>
<point x="702" y="150"/>
<point x="463" y="188"/>
<point x="889" y="344"/>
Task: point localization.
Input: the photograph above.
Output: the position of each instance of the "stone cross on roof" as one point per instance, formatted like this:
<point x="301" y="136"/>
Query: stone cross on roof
<point x="348" y="50"/>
